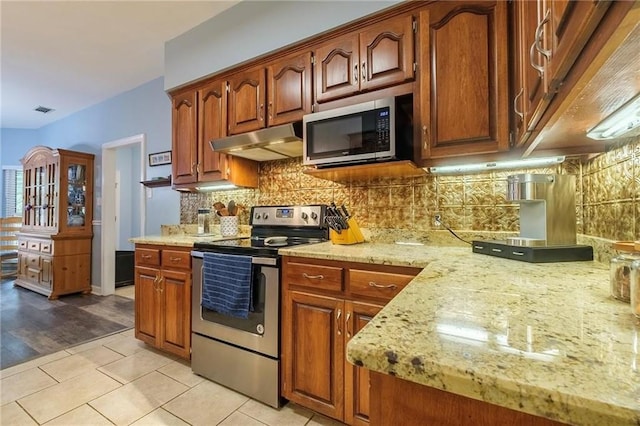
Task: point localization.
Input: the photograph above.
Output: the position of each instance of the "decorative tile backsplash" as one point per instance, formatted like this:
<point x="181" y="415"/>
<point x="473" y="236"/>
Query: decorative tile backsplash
<point x="607" y="196"/>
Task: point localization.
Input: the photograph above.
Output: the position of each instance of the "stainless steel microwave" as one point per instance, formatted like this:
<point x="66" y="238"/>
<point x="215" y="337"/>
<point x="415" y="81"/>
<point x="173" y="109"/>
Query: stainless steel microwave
<point x="361" y="133"/>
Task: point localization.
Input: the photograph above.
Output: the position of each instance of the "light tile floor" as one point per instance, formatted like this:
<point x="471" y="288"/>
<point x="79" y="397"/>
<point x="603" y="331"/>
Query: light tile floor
<point x="119" y="380"/>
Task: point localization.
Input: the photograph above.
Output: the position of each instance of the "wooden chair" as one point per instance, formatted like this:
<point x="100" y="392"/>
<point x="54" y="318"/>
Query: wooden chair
<point x="9" y="226"/>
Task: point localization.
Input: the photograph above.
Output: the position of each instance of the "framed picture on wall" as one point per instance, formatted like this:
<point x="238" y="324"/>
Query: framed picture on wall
<point x="160" y="158"/>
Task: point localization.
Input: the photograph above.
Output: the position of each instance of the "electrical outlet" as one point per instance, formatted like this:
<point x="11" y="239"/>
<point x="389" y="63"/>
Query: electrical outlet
<point x="437" y="219"/>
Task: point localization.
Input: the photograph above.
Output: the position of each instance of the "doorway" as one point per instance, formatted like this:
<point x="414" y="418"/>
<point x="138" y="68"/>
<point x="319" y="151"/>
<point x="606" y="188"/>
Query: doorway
<point x="123" y="203"/>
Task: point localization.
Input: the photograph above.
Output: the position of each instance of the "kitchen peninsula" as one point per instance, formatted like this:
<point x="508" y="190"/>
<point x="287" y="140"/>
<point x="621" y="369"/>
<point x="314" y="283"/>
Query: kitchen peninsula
<point x="543" y="339"/>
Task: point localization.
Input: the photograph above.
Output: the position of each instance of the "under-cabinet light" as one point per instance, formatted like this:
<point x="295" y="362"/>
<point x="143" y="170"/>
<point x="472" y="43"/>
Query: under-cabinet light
<point x="495" y="165"/>
<point x="221" y="187"/>
<point x="621" y="121"/>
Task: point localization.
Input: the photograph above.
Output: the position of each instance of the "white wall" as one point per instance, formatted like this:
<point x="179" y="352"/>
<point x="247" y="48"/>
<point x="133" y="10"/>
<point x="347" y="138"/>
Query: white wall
<point x="254" y="28"/>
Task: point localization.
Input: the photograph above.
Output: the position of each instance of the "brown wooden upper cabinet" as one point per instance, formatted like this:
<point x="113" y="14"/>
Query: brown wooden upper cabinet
<point x="246" y="105"/>
<point x="184" y="155"/>
<point x="289" y="89"/>
<point x="199" y="116"/>
<point x="463" y="79"/>
<point x="288" y="94"/>
<point x="549" y="37"/>
<point x="212" y="119"/>
<point x="380" y="55"/>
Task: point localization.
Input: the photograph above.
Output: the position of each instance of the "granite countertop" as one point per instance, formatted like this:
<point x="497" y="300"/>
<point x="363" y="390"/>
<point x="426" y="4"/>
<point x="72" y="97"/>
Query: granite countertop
<point x="179" y="240"/>
<point x="546" y="339"/>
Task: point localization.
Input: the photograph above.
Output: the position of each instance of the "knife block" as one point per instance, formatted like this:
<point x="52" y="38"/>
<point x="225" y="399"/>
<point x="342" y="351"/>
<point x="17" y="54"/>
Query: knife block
<point x="352" y="235"/>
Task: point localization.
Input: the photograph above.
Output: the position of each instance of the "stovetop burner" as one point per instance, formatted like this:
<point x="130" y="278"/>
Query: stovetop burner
<point x="275" y="227"/>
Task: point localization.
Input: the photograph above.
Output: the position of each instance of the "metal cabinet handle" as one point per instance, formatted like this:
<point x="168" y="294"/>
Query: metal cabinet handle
<point x="515" y="104"/>
<point x="313" y="277"/>
<point x="338" y="315"/>
<point x="155" y="281"/>
<point x="145" y="256"/>
<point x="198" y="168"/>
<point x="425" y="137"/>
<point x="160" y="288"/>
<point x="261" y="112"/>
<point x="347" y="320"/>
<point x="532" y="52"/>
<point x="391" y="286"/>
<point x="175" y="259"/>
<point x="364" y="71"/>
<point x="194" y="168"/>
<point x="540" y="32"/>
<point x="270" y="110"/>
<point x="355" y="73"/>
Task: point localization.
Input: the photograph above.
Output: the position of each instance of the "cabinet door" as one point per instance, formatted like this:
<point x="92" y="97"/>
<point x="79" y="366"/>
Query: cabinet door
<point x="314" y="358"/>
<point x="337" y="72"/>
<point x="184" y="152"/>
<point x="212" y="120"/>
<point x="75" y="199"/>
<point x="175" y="318"/>
<point x="40" y="175"/>
<point x="356" y="379"/>
<point x="147" y="304"/>
<point x="464" y="81"/>
<point x="246" y="101"/>
<point x="386" y="53"/>
<point x="289" y="89"/>
<point x="571" y="24"/>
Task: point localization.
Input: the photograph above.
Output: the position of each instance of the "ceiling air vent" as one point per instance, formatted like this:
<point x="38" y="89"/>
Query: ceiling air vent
<point x="43" y="110"/>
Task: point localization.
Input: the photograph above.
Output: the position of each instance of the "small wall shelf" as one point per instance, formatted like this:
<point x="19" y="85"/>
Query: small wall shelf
<point x="155" y="182"/>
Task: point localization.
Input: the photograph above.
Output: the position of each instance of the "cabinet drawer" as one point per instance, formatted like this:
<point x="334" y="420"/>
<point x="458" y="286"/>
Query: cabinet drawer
<point x="314" y="276"/>
<point x="34" y="245"/>
<point x="46" y="247"/>
<point x="33" y="262"/>
<point x="149" y="257"/>
<point x="379" y="285"/>
<point x="176" y="259"/>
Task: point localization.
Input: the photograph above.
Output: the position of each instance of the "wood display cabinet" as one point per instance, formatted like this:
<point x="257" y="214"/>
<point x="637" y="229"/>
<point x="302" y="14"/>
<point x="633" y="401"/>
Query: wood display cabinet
<point x="324" y="304"/>
<point x="463" y="86"/>
<point x="277" y="93"/>
<point x="54" y="254"/>
<point x="198" y="116"/>
<point x="163" y="298"/>
<point x="378" y="56"/>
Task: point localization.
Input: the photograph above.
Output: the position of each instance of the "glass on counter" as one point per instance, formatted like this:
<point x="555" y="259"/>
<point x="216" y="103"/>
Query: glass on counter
<point x="620" y="275"/>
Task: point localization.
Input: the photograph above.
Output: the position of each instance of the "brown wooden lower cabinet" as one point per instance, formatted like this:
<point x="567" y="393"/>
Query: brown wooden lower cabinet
<point x="325" y="303"/>
<point x="163" y="298"/>
<point x="399" y="402"/>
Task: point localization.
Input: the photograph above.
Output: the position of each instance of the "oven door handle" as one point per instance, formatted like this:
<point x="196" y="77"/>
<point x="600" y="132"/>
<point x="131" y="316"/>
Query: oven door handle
<point x="256" y="260"/>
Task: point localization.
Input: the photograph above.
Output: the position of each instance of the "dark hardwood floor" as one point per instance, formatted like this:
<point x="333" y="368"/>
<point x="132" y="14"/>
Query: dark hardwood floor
<point x="32" y="325"/>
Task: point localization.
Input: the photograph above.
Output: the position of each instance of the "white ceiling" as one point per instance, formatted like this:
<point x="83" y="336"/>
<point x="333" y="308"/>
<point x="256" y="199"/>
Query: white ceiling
<point x="69" y="55"/>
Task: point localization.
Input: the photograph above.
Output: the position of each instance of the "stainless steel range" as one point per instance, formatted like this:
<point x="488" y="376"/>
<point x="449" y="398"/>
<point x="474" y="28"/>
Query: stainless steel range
<point x="236" y="324"/>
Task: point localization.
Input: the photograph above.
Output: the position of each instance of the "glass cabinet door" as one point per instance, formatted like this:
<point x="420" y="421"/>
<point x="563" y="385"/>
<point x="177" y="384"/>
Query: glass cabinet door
<point x="76" y="195"/>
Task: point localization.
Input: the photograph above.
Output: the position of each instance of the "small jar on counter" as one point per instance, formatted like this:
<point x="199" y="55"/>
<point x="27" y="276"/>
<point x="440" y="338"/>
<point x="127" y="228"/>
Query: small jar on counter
<point x="620" y="274"/>
<point x="635" y="287"/>
<point x="203" y="221"/>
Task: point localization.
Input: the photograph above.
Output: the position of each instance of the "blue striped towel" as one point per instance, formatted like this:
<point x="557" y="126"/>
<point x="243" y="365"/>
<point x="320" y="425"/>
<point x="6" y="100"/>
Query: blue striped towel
<point x="226" y="284"/>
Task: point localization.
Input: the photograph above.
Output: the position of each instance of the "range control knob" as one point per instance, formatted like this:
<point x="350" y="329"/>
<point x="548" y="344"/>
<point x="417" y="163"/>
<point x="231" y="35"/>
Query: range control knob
<point x="314" y="215"/>
<point x="304" y="216"/>
<point x="256" y="216"/>
<point x="265" y="216"/>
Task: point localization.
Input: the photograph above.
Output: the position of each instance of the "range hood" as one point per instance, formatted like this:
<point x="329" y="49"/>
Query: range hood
<point x="271" y="143"/>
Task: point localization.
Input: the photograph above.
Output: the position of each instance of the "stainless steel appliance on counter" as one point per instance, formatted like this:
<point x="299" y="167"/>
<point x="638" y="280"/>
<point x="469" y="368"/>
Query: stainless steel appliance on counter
<point x="547" y="221"/>
<point x="244" y="353"/>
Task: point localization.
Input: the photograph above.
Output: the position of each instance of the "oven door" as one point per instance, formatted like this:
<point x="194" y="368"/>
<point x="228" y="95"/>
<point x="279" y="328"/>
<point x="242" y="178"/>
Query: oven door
<point x="259" y="332"/>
